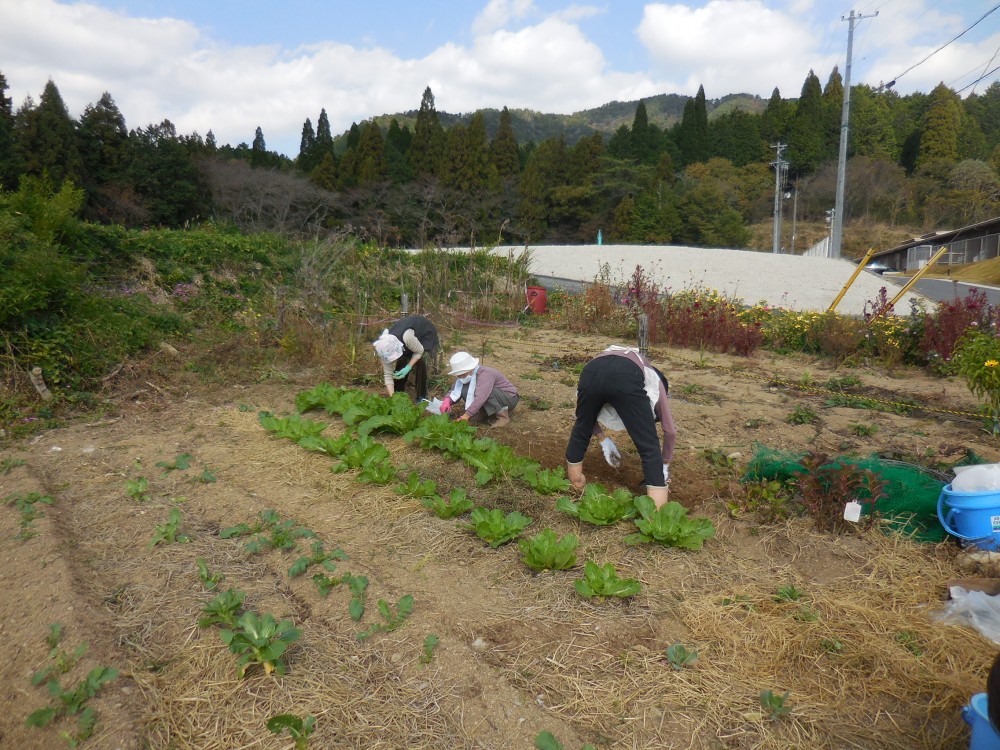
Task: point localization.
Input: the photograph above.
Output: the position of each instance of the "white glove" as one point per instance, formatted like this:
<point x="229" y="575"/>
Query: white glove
<point x="666" y="473"/>
<point x="611" y="454"/>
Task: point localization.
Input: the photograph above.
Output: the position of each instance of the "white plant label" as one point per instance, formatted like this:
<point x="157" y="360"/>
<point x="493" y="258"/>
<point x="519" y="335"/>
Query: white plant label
<point x="852" y="512"/>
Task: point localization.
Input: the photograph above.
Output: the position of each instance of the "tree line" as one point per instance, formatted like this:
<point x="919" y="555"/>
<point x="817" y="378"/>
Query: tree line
<point x="921" y="160"/>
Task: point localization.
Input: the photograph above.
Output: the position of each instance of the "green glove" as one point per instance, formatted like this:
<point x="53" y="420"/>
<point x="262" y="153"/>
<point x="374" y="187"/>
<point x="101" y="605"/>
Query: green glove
<point x="400" y="374"/>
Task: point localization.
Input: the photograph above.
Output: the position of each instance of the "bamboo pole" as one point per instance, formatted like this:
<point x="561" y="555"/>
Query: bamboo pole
<point x="857" y="271"/>
<point x="919" y="275"/>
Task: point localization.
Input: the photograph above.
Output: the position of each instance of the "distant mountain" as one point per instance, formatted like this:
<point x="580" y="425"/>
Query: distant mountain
<point x="663" y="109"/>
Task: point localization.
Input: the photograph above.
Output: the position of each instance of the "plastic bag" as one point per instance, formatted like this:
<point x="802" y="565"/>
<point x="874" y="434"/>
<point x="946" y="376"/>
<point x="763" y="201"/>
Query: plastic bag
<point x="434" y="406"/>
<point x="975" y="608"/>
<point x="978" y="478"/>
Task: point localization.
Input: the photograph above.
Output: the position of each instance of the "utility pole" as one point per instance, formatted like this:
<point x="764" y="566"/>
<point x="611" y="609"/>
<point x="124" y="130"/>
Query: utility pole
<point x="837" y="227"/>
<point x="779" y="179"/>
<point x="795" y="213"/>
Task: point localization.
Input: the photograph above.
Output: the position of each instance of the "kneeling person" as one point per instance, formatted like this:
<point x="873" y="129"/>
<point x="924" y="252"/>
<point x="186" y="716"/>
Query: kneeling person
<point x="489" y="397"/>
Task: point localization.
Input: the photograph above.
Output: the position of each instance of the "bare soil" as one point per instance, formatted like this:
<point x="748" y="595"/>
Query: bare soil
<point x="519" y="653"/>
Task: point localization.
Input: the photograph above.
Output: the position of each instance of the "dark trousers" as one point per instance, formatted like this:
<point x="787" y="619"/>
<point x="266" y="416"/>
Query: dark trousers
<point x="619" y="382"/>
<point x="419" y="373"/>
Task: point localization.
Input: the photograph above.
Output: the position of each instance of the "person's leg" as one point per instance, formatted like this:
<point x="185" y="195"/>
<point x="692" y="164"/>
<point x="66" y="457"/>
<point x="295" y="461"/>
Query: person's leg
<point x="632" y="405"/>
<point x="420" y="378"/>
<point x="596" y="382"/>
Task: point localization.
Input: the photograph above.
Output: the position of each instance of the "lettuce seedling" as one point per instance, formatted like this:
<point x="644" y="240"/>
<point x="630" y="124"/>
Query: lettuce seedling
<point x="680" y="656"/>
<point x="456" y="504"/>
<point x="377" y="472"/>
<point x="430" y="643"/>
<point x="260" y="640"/>
<point x="26" y="506"/>
<point x="182" y="463"/>
<point x="599" y="507"/>
<point x="669" y="525"/>
<point x="775" y="705"/>
<point x="265" y="520"/>
<point x="208" y="579"/>
<point x="495" y="528"/>
<point x="414" y="486"/>
<point x="293" y="427"/>
<point x="169" y="532"/>
<point x="547" y="741"/>
<point x="72" y="703"/>
<point x="547" y="551"/>
<point x="548" y="481"/>
<point x="296" y="726"/>
<point x="492" y="460"/>
<point x="603" y="580"/>
<point x="137" y="489"/>
<point x="358" y="586"/>
<point x="224" y="609"/>
<point x="283" y="536"/>
<point x="404" y="608"/>
<point x="317" y="556"/>
<point x="63" y="660"/>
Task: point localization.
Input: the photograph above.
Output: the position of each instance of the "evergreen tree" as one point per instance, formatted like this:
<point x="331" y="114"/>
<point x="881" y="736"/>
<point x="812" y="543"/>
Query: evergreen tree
<point x="397" y="152"/>
<point x="46" y="139"/>
<point x="807" y="137"/>
<point x="623" y="220"/>
<point x="692" y="133"/>
<point x="104" y="151"/>
<point x="307" y="147"/>
<point x="642" y="144"/>
<point x="166" y="177"/>
<point x="324" y="176"/>
<point x="942" y="124"/>
<point x="9" y="164"/>
<point x="210" y="145"/>
<point x="353" y="139"/>
<point x="372" y="166"/>
<point x="833" y="104"/>
<point x="736" y="136"/>
<point x="258" y="150"/>
<point x="503" y="148"/>
<point x="324" y="139"/>
<point x="775" y="121"/>
<point x="985" y="108"/>
<point x="620" y="144"/>
<point x="427" y="148"/>
<point x="478" y="172"/>
<point x="871" y="132"/>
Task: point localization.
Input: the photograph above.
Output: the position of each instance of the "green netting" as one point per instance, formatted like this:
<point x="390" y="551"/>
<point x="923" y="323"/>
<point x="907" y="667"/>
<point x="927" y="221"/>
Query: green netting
<point x="912" y="491"/>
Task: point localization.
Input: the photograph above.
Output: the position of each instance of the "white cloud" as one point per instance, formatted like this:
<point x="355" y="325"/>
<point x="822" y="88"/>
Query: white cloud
<point x="498" y="13"/>
<point x="729" y="46"/>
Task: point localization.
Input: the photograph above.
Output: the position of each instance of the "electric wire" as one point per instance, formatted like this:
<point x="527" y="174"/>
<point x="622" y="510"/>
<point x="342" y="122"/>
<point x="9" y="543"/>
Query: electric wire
<point x="982" y="77"/>
<point x="984" y="74"/>
<point x="953" y="39"/>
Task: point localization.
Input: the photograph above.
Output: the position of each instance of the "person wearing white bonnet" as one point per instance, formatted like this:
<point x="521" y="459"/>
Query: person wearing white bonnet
<point x="402" y="348"/>
<point x="489" y="397"/>
<point x="621" y="388"/>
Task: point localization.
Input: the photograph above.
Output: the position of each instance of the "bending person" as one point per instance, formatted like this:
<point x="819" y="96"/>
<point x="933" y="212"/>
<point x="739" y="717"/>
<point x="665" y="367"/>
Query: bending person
<point x="489" y="397"/>
<point x="621" y="388"/>
<point x="403" y="347"/>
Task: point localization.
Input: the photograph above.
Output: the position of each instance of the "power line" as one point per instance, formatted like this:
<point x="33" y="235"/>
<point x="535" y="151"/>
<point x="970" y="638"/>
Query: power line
<point x="959" y="36"/>
<point x="981" y="78"/>
<point x="985" y="66"/>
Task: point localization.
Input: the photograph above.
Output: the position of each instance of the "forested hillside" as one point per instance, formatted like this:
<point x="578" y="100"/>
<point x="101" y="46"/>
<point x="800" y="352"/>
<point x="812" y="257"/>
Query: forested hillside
<point x="668" y="169"/>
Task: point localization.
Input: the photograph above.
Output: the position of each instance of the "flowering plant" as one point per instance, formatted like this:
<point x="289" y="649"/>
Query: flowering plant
<point x="977" y="359"/>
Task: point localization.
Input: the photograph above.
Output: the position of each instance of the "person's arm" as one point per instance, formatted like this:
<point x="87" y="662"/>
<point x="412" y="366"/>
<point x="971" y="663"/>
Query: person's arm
<point x="666" y="418"/>
<point x="411" y="342"/>
<point x="387" y="369"/>
<point x="485" y="382"/>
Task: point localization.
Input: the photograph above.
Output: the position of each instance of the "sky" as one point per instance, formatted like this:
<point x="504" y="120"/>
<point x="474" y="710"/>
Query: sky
<point x="231" y="67"/>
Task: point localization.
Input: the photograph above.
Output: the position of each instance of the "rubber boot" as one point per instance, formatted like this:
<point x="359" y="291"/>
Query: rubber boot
<point x="501" y="419"/>
<point x="660" y="495"/>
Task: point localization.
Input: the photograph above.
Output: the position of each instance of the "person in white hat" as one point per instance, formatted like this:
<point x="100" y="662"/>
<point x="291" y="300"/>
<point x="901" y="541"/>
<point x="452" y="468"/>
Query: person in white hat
<point x="402" y="347"/>
<point x="621" y="389"/>
<point x="489" y="397"/>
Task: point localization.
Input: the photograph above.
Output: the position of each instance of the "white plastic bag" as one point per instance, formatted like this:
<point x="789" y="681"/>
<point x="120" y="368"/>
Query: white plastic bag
<point x="975" y="608"/>
<point x="978" y="478"/>
<point x="434" y="406"/>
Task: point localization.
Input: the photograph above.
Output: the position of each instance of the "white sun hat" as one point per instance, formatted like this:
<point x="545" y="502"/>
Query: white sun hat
<point x="462" y="362"/>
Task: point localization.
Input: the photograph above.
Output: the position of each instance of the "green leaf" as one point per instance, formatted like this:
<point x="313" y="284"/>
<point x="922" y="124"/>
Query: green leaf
<point x="669" y="525"/>
<point x="547" y="551"/>
<point x="495" y="528"/>
<point x="456" y="504"/>
<point x="603" y="580"/>
<point x="546" y="741"/>
<point x="598" y="507"/>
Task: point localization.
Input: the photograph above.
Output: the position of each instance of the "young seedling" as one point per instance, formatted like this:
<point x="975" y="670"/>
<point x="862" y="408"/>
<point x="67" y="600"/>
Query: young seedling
<point x="495" y="528"/>
<point x="325" y="584"/>
<point x="181" y="463"/>
<point x="864" y="430"/>
<point x="599" y="507"/>
<point x="547" y="741"/>
<point x="265" y="520"/>
<point x="775" y="705"/>
<point x="832" y="646"/>
<point x="137" y="489"/>
<point x="224" y="609"/>
<point x="404" y="607"/>
<point x="317" y="556"/>
<point x="548" y="481"/>
<point x="206" y="477"/>
<point x="455" y="505"/>
<point x="63" y="660"/>
<point x="281" y="536"/>
<point x="802" y="415"/>
<point x="788" y="594"/>
<point x="169" y="532"/>
<point x="680" y="656"/>
<point x="602" y="580"/>
<point x="358" y="586"/>
<point x="299" y="728"/>
<point x="414" y="486"/>
<point x="208" y="579"/>
<point x="25" y="505"/>
<point x="260" y="640"/>
<point x="430" y="643"/>
<point x="8" y="464"/>
<point x="547" y="551"/>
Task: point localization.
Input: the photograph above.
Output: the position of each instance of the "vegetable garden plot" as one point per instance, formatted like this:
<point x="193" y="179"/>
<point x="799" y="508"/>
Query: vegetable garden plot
<point x="860" y="662"/>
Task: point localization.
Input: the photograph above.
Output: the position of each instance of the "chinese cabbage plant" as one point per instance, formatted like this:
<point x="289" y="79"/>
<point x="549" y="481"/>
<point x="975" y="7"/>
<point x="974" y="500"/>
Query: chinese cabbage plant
<point x="669" y="525"/>
<point x="495" y="528"/>
<point x="547" y="551"/>
<point x="599" y="507"/>
<point x="602" y="580"/>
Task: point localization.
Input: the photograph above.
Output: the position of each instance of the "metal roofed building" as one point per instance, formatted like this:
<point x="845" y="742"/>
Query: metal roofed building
<point x="976" y="242"/>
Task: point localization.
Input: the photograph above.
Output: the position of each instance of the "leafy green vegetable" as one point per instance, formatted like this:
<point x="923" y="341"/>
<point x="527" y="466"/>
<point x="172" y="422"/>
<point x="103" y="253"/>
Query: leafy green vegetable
<point x="296" y="726"/>
<point x="223" y="609"/>
<point x="330" y="446"/>
<point x="547" y="551"/>
<point x="456" y="504"/>
<point x="603" y="580"/>
<point x="680" y="656"/>
<point x="208" y="579"/>
<point x="402" y="416"/>
<point x="547" y="741"/>
<point x="26" y="506"/>
<point x="260" y="640"/>
<point x="404" y="608"/>
<point x="281" y="536"/>
<point x="414" y="486"/>
<point x="182" y="463"/>
<point x="430" y="643"/>
<point x="599" y="507"/>
<point x="358" y="586"/>
<point x="438" y="432"/>
<point x="317" y="556"/>
<point x="548" y="481"/>
<point x="495" y="528"/>
<point x="265" y="520"/>
<point x="137" y="489"/>
<point x="493" y="460"/>
<point x="361" y="453"/>
<point x="669" y="525"/>
<point x="775" y="705"/>
<point x="293" y="427"/>
<point x="169" y="532"/>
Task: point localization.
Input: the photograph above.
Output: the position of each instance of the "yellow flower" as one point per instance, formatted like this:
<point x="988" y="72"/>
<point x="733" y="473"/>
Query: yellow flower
<point x="991" y="363"/>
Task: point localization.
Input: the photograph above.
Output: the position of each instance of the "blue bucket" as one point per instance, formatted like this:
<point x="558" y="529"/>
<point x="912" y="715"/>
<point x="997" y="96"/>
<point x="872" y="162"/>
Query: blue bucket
<point x="984" y="736"/>
<point x="971" y="516"/>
